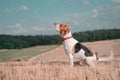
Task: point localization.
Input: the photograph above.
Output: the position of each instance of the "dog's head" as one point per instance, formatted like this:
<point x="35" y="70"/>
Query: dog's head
<point x="63" y="29"/>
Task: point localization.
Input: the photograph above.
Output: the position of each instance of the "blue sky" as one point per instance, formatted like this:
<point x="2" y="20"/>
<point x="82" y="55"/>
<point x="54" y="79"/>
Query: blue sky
<point x="36" y="17"/>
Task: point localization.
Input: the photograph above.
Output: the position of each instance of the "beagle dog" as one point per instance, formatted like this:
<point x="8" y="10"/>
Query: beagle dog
<point x="73" y="48"/>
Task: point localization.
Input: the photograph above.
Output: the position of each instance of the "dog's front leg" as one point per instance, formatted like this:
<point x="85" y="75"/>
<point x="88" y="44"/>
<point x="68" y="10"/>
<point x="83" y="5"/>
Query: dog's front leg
<point x="71" y="59"/>
<point x="80" y="63"/>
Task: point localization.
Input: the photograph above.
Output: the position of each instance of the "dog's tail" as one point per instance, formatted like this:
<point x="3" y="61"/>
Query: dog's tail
<point x="107" y="58"/>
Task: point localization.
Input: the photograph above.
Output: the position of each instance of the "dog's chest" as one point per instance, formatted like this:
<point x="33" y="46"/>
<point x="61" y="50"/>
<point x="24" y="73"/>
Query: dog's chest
<point x="69" y="44"/>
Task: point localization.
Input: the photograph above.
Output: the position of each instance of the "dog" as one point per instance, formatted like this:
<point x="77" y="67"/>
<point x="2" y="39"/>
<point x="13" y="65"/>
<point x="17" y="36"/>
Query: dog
<point x="74" y="49"/>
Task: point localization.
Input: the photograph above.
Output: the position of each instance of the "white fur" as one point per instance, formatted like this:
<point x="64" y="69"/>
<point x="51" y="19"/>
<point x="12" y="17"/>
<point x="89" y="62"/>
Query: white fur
<point x="68" y="46"/>
<point x="57" y="27"/>
<point x="108" y="58"/>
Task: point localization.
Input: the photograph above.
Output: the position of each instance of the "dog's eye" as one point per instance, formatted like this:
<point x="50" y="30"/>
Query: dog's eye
<point x="60" y="25"/>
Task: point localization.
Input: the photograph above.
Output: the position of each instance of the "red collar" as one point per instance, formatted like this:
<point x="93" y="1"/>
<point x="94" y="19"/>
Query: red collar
<point x="63" y="39"/>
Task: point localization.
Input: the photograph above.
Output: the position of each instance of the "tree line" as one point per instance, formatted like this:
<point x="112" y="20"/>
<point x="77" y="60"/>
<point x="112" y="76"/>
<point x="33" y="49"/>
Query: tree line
<point x="22" y="41"/>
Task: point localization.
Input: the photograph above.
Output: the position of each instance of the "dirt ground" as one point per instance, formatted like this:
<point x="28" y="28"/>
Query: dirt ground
<point x="54" y="65"/>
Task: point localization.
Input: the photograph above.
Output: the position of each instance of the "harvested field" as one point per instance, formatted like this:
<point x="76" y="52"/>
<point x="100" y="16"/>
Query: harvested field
<point x="54" y="65"/>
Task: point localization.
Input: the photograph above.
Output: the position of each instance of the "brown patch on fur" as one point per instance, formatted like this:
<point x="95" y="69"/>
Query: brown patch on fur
<point x="73" y="50"/>
<point x="64" y="29"/>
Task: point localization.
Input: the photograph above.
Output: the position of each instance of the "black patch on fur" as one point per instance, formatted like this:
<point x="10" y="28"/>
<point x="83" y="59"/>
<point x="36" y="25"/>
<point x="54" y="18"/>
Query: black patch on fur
<point x="79" y="46"/>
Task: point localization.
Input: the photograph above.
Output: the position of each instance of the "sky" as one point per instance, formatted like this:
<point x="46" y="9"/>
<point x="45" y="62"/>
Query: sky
<point x="37" y="17"/>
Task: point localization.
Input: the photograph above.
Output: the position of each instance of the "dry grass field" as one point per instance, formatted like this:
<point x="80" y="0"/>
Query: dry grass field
<point x="54" y="65"/>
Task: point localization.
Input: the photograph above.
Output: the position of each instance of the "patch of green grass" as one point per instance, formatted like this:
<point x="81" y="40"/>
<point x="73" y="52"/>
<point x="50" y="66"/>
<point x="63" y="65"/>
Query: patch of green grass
<point x="22" y="54"/>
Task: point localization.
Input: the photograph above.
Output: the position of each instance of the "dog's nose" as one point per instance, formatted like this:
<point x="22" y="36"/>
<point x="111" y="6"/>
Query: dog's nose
<point x="55" y="24"/>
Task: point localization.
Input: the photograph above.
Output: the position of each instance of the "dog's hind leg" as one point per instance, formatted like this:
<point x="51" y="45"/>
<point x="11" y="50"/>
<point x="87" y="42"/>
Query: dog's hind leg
<point x="91" y="62"/>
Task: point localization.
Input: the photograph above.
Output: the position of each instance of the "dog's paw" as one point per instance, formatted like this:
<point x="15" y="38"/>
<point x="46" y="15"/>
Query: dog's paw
<point x="80" y="63"/>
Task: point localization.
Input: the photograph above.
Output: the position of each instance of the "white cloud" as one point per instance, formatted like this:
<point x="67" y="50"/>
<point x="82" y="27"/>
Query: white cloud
<point x="17" y="29"/>
<point x="7" y="10"/>
<point x="117" y="1"/>
<point x="109" y="13"/>
<point x="15" y="9"/>
<point x="23" y="8"/>
<point x="75" y="22"/>
<point x="95" y="13"/>
<point x="86" y="2"/>
<point x="36" y="28"/>
<point x="100" y="17"/>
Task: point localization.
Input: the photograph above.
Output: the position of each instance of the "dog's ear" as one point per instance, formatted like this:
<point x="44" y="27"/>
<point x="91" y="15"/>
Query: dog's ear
<point x="64" y="29"/>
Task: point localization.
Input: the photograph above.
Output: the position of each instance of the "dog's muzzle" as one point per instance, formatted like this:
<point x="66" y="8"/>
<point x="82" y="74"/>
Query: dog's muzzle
<point x="57" y="27"/>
